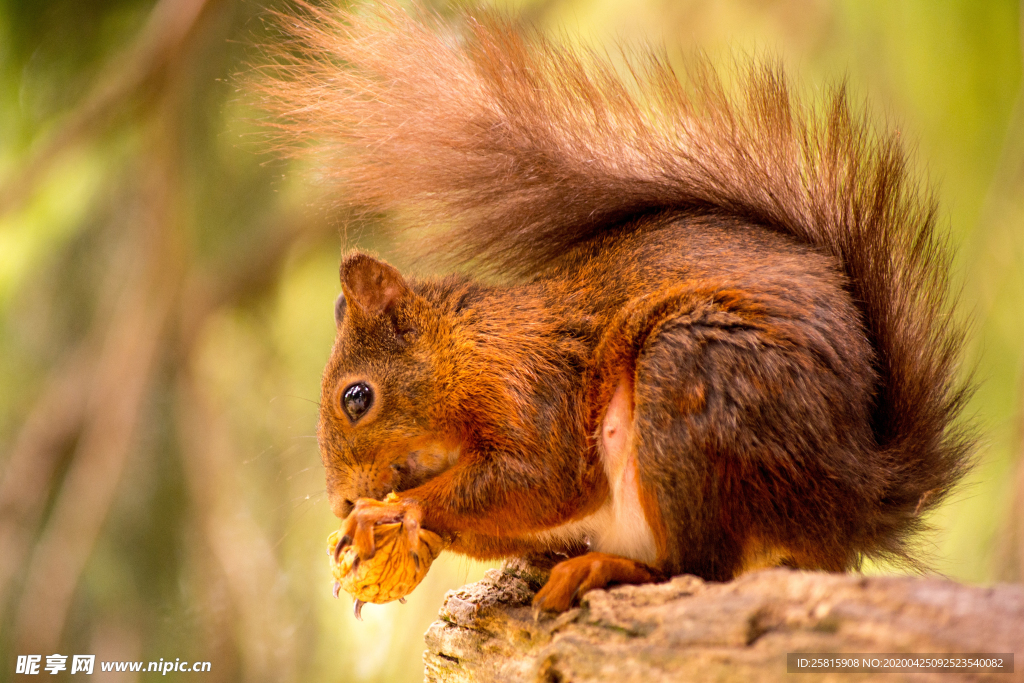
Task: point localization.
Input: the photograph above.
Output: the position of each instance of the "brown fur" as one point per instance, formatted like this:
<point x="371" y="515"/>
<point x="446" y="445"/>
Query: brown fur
<point x="765" y="273"/>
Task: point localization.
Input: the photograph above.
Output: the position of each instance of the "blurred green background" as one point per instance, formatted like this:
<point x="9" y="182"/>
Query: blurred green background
<point x="166" y="295"/>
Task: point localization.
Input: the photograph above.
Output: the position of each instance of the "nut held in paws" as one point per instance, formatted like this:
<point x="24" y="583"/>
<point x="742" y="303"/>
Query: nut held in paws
<point x="396" y="568"/>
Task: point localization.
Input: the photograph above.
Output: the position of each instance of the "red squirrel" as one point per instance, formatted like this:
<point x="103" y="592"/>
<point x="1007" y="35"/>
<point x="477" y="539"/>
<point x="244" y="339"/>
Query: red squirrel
<point x="714" y="332"/>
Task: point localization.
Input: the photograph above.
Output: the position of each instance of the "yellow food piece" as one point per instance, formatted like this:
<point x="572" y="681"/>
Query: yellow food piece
<point x="392" y="572"/>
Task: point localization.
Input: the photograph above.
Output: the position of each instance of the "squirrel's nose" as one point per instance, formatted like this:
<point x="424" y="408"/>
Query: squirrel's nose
<point x="341" y="505"/>
<point x="359" y="482"/>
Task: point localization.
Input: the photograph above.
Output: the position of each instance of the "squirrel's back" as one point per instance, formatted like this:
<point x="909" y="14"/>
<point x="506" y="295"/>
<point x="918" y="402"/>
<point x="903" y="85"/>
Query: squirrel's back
<point x="523" y="150"/>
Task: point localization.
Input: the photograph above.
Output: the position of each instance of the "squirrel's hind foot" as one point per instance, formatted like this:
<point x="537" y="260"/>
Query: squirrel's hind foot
<point x="571" y="578"/>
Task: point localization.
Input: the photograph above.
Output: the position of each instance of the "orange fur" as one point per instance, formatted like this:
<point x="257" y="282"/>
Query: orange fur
<point x="762" y="276"/>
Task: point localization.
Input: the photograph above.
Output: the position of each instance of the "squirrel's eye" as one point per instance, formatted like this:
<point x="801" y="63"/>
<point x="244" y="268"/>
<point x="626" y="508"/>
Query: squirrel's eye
<point x="356" y="400"/>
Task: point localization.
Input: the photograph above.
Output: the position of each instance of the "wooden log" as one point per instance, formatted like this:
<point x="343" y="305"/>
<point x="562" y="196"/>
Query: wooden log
<point x="691" y="630"/>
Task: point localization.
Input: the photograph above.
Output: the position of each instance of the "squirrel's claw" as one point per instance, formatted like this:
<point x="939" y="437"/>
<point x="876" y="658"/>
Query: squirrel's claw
<point x="357" y="609"/>
<point x="343" y="543"/>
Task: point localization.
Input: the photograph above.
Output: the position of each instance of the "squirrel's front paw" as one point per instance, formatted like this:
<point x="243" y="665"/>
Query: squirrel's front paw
<point x="357" y="528"/>
<point x="399" y="558"/>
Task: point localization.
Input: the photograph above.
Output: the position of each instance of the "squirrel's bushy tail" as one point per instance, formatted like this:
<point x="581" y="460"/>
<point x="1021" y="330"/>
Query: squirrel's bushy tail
<point x="521" y="148"/>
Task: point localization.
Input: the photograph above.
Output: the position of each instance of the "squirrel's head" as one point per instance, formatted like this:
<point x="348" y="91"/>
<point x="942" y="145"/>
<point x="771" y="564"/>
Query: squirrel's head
<point x="378" y="429"/>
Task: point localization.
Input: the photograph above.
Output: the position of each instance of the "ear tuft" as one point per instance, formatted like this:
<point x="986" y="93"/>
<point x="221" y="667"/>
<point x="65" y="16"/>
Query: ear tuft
<point x="370" y="286"/>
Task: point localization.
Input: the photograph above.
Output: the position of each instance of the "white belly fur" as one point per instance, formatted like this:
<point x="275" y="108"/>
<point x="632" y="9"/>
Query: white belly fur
<point x="619" y="526"/>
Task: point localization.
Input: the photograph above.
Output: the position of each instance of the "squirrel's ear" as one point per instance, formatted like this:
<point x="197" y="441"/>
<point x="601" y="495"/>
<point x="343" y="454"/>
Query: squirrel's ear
<point x="370" y="286"/>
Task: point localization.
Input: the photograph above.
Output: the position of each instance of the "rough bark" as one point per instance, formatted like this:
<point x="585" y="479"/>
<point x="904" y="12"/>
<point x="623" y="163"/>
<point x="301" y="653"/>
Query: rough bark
<point x="690" y="630"/>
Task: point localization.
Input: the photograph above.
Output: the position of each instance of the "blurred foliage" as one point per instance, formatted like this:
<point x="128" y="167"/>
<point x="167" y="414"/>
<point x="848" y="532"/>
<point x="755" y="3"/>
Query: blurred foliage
<point x="166" y="295"/>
